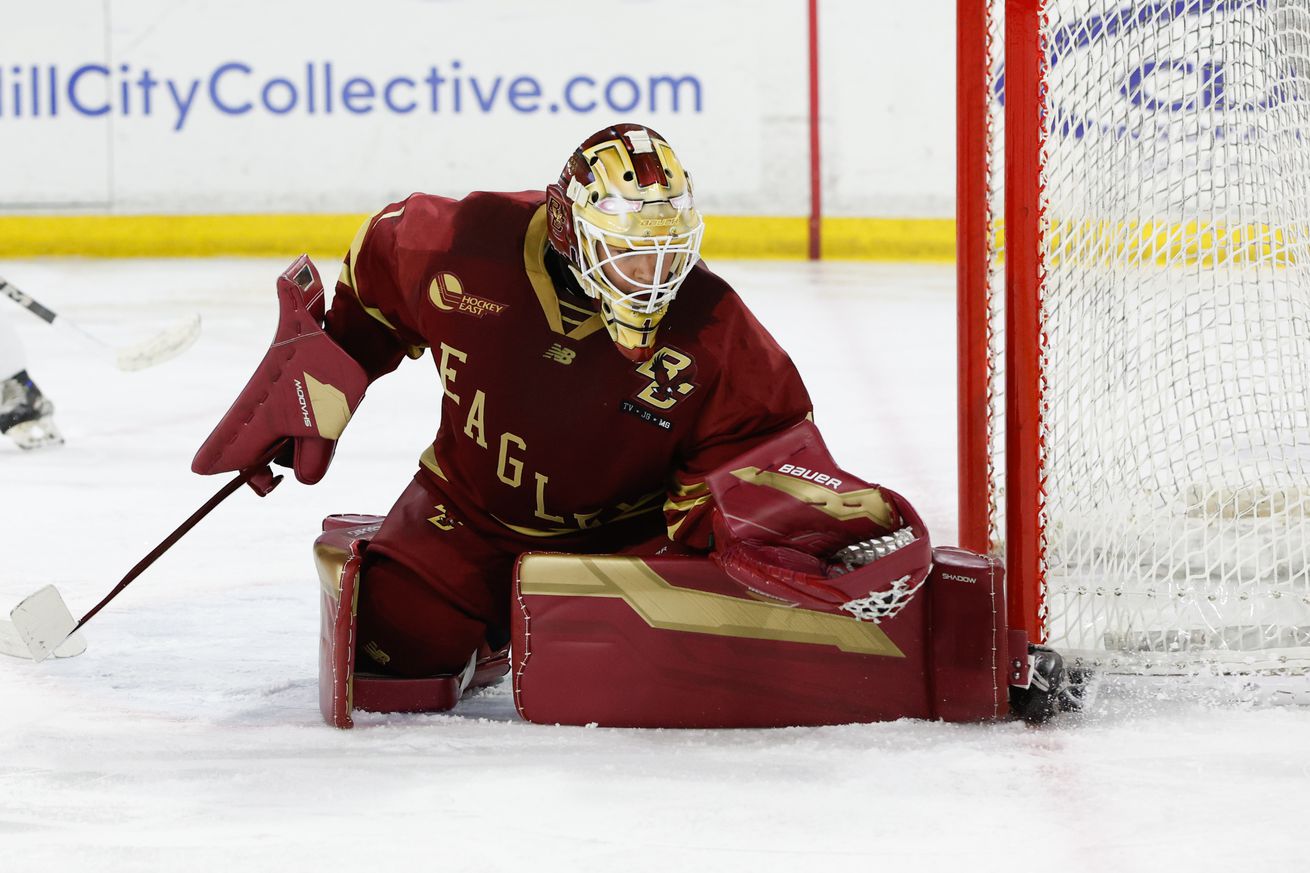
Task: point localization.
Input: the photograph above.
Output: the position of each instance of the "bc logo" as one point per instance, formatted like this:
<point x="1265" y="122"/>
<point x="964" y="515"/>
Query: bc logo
<point x="672" y="376"/>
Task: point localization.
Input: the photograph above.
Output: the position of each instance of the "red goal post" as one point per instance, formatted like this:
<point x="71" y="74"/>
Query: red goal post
<point x="984" y="174"/>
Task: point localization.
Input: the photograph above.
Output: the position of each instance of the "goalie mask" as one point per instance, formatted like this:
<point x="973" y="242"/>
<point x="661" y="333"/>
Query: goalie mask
<point x="623" y="217"/>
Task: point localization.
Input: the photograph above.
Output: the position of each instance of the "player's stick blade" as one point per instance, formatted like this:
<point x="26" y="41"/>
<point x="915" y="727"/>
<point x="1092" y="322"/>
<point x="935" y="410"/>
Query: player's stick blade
<point x="169" y="343"/>
<point x="12" y="645"/>
<point x="44" y="626"/>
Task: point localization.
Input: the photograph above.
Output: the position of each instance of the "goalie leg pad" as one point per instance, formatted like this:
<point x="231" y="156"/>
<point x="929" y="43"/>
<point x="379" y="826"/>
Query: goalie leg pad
<point x="674" y="642"/>
<point x="407" y="628"/>
<point x="968" y="642"/>
<point x="338" y="553"/>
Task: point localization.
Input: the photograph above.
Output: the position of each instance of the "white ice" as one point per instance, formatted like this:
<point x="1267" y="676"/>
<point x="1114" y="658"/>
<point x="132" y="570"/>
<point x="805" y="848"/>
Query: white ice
<point x="188" y="736"/>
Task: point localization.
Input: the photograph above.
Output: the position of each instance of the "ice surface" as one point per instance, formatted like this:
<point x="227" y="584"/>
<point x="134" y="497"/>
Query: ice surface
<point x="188" y="736"/>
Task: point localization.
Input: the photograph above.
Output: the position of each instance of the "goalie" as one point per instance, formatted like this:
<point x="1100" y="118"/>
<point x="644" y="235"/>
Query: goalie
<point x="586" y="412"/>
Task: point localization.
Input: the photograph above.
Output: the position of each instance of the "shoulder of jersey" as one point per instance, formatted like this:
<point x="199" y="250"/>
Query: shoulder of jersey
<point x="483" y="222"/>
<point x="705" y="312"/>
<point x="704" y="298"/>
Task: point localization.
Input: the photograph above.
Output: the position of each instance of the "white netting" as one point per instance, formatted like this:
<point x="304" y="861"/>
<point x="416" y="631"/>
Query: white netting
<point x="882" y="605"/>
<point x="878" y="606"/>
<point x="995" y="37"/>
<point x="1176" y="310"/>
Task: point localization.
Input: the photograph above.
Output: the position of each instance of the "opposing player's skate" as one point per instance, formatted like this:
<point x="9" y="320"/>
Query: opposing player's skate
<point x="27" y="415"/>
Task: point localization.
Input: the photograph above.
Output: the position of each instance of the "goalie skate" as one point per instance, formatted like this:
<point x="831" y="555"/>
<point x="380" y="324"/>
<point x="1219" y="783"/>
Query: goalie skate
<point x="1051" y="688"/>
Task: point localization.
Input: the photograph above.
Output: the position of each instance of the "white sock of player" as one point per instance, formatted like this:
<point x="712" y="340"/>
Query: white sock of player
<point x="12" y="357"/>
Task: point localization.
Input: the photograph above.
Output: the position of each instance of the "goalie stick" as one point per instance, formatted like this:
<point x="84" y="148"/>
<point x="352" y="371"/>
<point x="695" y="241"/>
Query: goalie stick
<point x="166" y="344"/>
<point x="41" y="624"/>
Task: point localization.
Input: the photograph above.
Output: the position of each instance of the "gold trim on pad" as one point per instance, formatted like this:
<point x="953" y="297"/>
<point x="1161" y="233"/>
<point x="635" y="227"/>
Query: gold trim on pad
<point x="668" y="607"/>
<point x="331" y="411"/>
<point x="330" y="560"/>
<point x="864" y="503"/>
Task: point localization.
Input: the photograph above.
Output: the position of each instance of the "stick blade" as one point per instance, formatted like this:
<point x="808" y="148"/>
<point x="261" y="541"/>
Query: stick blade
<point x="167" y="344"/>
<point x="45" y="627"/>
<point x="12" y="645"/>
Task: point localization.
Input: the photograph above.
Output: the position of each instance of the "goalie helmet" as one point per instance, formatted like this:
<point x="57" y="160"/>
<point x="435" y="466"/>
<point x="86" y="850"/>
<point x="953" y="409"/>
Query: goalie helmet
<point x="623" y="217"/>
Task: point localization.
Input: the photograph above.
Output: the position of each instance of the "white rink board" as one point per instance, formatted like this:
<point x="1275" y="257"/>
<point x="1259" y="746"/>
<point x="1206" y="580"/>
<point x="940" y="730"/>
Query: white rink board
<point x="239" y="118"/>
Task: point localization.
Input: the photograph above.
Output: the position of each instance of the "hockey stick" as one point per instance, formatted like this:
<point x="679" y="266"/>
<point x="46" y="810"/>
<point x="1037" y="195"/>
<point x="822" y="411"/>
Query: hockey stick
<point x="42" y="624"/>
<point x="168" y="343"/>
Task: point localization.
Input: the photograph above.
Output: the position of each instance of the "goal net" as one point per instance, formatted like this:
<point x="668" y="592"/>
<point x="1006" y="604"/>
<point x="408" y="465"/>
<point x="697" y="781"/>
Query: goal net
<point x="1135" y="325"/>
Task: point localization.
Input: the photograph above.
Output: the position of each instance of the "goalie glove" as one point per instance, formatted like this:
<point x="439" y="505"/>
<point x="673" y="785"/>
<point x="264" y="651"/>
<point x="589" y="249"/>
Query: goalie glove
<point x="790" y="525"/>
<point x="303" y="392"/>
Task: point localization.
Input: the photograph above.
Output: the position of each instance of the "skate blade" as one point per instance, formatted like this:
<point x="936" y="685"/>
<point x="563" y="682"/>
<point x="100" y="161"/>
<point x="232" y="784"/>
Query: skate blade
<point x="40" y="433"/>
<point x="44" y="626"/>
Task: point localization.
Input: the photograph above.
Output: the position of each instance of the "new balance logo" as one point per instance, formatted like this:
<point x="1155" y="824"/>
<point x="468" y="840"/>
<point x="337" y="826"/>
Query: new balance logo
<point x="377" y="654"/>
<point x="559" y="354"/>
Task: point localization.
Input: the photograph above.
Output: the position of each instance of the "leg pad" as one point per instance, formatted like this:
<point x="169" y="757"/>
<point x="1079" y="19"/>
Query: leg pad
<point x="673" y="642"/>
<point x="338" y="553"/>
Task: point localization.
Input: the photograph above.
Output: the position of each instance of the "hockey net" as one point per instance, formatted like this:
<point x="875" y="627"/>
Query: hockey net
<point x="1146" y="442"/>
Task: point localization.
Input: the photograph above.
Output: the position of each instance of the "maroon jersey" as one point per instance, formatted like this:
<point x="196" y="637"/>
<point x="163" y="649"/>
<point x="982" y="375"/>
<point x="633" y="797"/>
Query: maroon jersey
<point x="546" y="430"/>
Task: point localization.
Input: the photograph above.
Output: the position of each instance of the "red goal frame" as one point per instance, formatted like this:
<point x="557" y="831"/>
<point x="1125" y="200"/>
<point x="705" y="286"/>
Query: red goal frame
<point x="1021" y="238"/>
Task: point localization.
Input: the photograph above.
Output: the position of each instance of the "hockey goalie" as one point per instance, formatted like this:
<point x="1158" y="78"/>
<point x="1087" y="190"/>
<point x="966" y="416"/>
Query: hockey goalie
<point x="626" y="504"/>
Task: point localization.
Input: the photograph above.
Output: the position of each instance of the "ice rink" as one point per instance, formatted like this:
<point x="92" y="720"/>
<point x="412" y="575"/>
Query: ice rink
<point x="188" y="736"/>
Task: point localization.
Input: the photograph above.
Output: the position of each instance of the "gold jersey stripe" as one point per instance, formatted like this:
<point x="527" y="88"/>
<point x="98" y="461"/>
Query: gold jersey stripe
<point x="535" y="532"/>
<point x="429" y="460"/>
<point x="581" y="310"/>
<point x="351" y="281"/>
<point x="534" y="250"/>
<point x="688" y="490"/>
<point x="685" y="505"/>
<point x="643" y="506"/>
